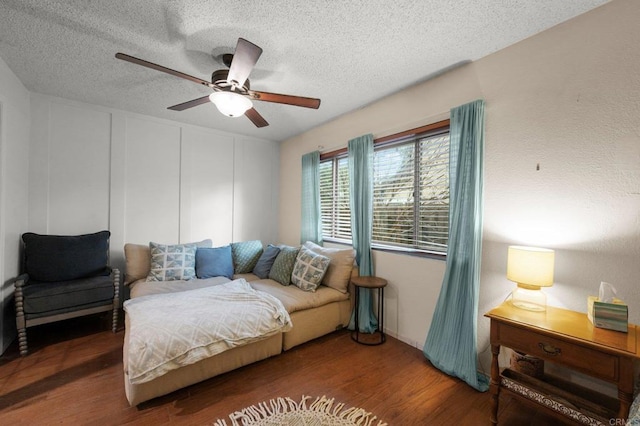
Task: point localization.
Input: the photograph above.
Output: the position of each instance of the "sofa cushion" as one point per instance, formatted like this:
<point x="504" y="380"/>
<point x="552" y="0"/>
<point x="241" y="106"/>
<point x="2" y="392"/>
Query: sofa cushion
<point x="172" y="262"/>
<point x="138" y="260"/>
<point x="43" y="297"/>
<point x="247" y="277"/>
<point x="309" y="269"/>
<point x="145" y="288"/>
<point x="51" y="258"/>
<point x="245" y="255"/>
<point x="339" y="272"/>
<point x="214" y="262"/>
<point x="295" y="299"/>
<point x="283" y="265"/>
<point x="265" y="262"/>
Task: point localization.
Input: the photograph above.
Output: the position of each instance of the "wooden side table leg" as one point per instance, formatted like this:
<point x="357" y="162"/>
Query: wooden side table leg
<point x="355" y="335"/>
<point x="494" y="386"/>
<point x="625" y="398"/>
<point x="625" y="388"/>
<point x="383" y="338"/>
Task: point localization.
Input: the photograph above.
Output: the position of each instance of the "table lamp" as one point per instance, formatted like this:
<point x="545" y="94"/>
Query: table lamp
<point x="530" y="268"/>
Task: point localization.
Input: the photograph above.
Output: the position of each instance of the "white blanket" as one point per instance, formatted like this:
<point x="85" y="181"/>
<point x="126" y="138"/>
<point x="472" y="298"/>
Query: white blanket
<point x="168" y="331"/>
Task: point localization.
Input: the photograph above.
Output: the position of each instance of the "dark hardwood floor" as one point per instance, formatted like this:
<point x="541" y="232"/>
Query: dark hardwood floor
<point x="73" y="375"/>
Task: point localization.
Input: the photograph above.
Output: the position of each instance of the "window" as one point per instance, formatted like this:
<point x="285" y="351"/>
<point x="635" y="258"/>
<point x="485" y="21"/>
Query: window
<point x="410" y="193"/>
<point x="334" y="199"/>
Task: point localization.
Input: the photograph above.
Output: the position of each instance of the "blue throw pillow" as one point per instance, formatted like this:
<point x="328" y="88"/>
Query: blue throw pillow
<point x="263" y="267"/>
<point x="214" y="262"/>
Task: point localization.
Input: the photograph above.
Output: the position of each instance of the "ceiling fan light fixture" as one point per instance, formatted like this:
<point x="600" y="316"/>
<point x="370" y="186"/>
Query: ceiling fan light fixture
<point x="230" y="104"/>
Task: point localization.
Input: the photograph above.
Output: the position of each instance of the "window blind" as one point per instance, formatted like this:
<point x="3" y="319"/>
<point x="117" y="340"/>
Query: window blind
<point x="334" y="199"/>
<point x="410" y="195"/>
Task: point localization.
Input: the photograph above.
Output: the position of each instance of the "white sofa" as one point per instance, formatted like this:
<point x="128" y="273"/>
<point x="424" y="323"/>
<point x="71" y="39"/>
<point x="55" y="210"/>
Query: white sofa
<point x="313" y="314"/>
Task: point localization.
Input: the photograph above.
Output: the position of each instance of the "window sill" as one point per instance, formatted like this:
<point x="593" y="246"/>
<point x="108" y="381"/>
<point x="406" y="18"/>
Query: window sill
<point x="395" y="250"/>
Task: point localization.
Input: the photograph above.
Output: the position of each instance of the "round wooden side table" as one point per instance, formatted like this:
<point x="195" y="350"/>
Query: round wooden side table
<point x="379" y="284"/>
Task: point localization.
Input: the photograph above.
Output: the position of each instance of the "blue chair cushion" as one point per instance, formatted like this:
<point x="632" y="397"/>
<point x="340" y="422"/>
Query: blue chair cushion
<point x="51" y="258"/>
<point x="48" y="298"/>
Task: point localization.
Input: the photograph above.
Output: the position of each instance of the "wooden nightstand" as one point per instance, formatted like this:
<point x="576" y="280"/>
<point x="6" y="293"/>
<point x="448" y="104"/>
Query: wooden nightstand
<point x="569" y="339"/>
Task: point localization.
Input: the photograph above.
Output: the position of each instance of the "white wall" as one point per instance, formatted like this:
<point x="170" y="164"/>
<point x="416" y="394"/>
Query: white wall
<point x="72" y="168"/>
<point x="566" y="99"/>
<point x="14" y="145"/>
<point x="146" y="179"/>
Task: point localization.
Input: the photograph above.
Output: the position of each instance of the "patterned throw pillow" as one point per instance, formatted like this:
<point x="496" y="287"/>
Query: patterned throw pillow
<point x="245" y="255"/>
<point x="283" y="265"/>
<point x="172" y="262"/>
<point x="338" y="274"/>
<point x="309" y="269"/>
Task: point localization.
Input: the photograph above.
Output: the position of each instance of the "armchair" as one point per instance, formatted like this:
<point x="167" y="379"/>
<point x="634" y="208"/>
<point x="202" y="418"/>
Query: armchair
<point x="64" y="277"/>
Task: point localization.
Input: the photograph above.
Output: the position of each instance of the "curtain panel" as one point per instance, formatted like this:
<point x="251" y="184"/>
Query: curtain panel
<point x="360" y="151"/>
<point x="311" y="223"/>
<point x="451" y="343"/>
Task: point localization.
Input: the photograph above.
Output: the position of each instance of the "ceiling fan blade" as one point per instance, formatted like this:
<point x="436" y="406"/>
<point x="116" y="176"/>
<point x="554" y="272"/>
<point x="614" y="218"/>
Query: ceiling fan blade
<point x="244" y="59"/>
<point x="300" y="101"/>
<point x="256" y="118"/>
<point x="157" y="67"/>
<point x="190" y="104"/>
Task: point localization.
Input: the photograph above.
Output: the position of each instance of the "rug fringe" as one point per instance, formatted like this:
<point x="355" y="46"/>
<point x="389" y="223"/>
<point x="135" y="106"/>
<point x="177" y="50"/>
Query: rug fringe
<point x="283" y="405"/>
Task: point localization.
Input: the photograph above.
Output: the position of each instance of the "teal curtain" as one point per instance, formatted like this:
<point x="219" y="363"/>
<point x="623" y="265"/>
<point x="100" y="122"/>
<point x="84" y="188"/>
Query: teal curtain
<point x="311" y="229"/>
<point x="361" y="202"/>
<point x="451" y="343"/>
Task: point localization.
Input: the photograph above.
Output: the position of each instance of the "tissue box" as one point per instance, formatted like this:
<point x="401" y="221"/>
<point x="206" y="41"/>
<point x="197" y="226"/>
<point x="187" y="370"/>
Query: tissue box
<point x="612" y="316"/>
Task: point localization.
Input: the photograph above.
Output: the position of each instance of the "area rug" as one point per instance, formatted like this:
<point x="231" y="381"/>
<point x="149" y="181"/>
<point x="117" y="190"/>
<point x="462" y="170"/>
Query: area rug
<point x="287" y="412"/>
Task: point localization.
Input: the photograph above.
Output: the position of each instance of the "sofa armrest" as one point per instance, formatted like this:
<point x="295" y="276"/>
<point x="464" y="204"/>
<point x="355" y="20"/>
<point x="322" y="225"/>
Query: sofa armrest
<point x="115" y="275"/>
<point x="20" y="280"/>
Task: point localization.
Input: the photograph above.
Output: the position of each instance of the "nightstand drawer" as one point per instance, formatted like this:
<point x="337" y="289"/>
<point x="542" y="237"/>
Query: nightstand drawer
<point x="596" y="363"/>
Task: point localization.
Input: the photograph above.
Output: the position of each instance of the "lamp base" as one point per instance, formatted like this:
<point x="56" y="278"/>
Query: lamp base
<point x="529" y="298"/>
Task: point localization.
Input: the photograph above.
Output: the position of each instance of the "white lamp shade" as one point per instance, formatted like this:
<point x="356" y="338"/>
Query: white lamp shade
<point x="230" y="104"/>
<point x="530" y="266"/>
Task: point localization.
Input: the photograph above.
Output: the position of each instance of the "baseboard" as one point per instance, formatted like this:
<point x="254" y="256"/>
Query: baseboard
<point x="405" y="339"/>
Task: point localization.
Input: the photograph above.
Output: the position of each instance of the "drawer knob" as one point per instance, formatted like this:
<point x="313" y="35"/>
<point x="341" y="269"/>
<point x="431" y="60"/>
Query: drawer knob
<point x="549" y="349"/>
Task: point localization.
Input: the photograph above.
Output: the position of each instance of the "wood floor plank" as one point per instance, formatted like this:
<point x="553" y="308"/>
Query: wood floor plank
<point x="73" y="375"/>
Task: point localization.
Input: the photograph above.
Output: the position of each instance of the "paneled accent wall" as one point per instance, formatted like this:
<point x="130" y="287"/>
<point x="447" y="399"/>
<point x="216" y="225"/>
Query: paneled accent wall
<point x="147" y="179"/>
<point x="207" y="185"/>
<point x="151" y="181"/>
<point x="14" y="159"/>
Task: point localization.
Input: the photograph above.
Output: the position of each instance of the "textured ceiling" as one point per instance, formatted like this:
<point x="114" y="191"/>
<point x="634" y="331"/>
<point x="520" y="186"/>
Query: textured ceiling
<point x="348" y="53"/>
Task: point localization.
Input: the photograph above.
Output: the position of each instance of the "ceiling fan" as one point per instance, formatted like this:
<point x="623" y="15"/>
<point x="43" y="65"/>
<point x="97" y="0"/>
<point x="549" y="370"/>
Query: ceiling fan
<point x="231" y="91"/>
